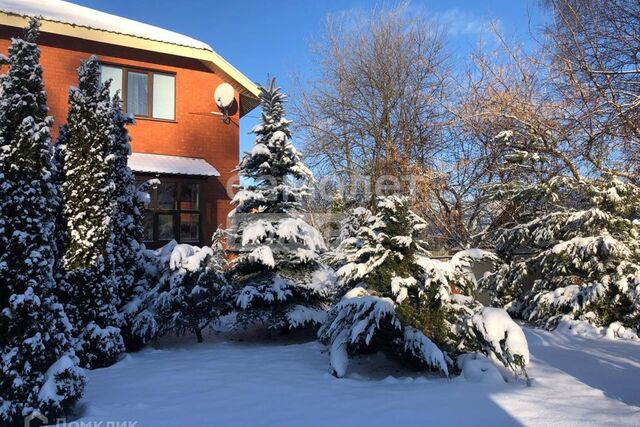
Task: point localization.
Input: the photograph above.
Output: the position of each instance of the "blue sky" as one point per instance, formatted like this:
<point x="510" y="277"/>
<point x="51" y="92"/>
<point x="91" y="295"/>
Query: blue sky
<point x="271" y="37"/>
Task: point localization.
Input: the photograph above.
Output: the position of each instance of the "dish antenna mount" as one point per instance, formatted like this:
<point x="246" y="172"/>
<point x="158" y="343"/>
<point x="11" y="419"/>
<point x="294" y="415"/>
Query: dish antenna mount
<point x="224" y="97"/>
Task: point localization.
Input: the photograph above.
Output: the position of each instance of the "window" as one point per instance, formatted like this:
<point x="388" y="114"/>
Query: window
<point x="137" y="93"/>
<point x="144" y="93"/>
<point x="174" y="212"/>
<point x="115" y="74"/>
<point x="164" y="96"/>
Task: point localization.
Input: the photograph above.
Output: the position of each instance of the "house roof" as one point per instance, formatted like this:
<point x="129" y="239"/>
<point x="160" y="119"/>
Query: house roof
<point x="175" y="165"/>
<point x="68" y="19"/>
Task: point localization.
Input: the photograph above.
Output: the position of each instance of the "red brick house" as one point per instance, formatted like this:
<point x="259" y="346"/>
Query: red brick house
<point x="167" y="80"/>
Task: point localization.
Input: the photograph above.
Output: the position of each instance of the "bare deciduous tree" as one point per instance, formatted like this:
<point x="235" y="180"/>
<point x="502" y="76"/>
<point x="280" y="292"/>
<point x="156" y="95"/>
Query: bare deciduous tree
<point x="375" y="107"/>
<point x="388" y="102"/>
<point x="575" y="100"/>
<point x="382" y="110"/>
<point x="595" y="48"/>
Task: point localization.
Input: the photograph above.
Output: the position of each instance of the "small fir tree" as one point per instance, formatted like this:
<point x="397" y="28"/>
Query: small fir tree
<point x="89" y="194"/>
<point x="400" y="301"/>
<point x="192" y="292"/>
<point x="38" y="368"/>
<point x="348" y="238"/>
<point x="280" y="281"/>
<point x="219" y="258"/>
<point x="575" y="255"/>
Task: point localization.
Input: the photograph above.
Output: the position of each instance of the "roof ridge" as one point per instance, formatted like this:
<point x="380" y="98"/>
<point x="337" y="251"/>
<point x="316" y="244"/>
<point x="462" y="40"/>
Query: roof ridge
<point x="25" y="8"/>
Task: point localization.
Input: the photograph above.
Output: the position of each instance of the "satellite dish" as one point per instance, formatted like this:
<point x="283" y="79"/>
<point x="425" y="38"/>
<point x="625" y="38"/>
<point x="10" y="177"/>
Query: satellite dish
<point x="224" y="96"/>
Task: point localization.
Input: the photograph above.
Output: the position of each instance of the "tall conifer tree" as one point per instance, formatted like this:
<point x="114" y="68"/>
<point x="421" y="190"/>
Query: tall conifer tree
<point x="38" y="368"/>
<point x="89" y="193"/>
<point x="128" y="228"/>
<point x="278" y="252"/>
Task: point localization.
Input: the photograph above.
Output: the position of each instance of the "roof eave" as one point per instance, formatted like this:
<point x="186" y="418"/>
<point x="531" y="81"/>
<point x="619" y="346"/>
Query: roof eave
<point x="248" y="90"/>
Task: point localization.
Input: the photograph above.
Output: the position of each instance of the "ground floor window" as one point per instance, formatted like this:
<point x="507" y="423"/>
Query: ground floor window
<point x="174" y="212"/>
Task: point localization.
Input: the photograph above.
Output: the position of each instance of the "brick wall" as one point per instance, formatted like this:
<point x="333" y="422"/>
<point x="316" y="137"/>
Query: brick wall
<point x="196" y="132"/>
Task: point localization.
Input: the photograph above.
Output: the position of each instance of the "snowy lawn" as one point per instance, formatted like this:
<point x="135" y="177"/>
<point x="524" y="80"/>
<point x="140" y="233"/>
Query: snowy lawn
<point x="576" y="381"/>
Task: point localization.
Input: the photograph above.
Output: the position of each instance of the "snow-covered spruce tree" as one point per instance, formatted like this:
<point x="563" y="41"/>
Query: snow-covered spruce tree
<point x="581" y="239"/>
<point x="400" y="301"/>
<point x="38" y="368"/>
<point x="219" y="258"/>
<point x="192" y="292"/>
<point x="353" y="231"/>
<point x="280" y="280"/>
<point x="183" y="289"/>
<point x="89" y="196"/>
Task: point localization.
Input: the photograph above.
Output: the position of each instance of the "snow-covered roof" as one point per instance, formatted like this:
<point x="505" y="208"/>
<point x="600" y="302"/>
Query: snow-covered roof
<point x="175" y="165"/>
<point x="68" y="19"/>
<point x="69" y="13"/>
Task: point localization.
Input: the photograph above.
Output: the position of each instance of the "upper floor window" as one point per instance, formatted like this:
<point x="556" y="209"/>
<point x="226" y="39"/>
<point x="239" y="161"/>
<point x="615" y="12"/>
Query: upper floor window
<point x="144" y="93"/>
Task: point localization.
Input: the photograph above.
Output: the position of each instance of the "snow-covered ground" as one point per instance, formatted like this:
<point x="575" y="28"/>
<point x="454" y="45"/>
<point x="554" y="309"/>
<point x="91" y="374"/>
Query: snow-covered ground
<point x="576" y="381"/>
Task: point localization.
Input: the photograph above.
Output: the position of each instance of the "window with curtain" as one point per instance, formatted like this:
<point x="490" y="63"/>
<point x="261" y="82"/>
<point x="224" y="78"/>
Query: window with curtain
<point x="137" y="93"/>
<point x="144" y="93"/>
